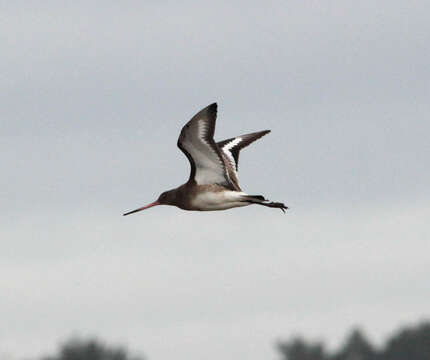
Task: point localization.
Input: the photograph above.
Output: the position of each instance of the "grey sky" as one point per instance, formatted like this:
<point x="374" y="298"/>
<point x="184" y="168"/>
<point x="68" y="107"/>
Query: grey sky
<point x="92" y="100"/>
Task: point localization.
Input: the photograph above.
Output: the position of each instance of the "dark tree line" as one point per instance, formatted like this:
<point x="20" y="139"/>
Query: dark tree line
<point x="78" y="349"/>
<point x="407" y="344"/>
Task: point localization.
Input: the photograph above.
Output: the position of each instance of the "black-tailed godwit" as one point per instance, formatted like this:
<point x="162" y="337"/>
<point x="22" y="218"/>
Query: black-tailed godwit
<point x="213" y="182"/>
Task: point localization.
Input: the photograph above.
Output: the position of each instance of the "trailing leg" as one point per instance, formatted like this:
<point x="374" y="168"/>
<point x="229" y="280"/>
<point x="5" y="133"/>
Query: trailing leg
<point x="272" y="204"/>
<point x="260" y="200"/>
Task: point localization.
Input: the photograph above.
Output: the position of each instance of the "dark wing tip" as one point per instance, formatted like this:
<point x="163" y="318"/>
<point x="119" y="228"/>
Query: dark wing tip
<point x="209" y="111"/>
<point x="212" y="108"/>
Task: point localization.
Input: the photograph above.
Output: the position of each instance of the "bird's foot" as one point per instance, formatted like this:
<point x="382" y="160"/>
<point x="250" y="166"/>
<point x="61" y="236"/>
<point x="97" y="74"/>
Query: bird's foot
<point x="277" y="205"/>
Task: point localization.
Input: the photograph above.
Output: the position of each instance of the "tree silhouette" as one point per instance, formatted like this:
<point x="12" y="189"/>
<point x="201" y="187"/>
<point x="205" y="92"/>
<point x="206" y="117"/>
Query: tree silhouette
<point x="356" y="348"/>
<point x="408" y="344"/>
<point x="77" y="349"/>
<point x="299" y="349"/>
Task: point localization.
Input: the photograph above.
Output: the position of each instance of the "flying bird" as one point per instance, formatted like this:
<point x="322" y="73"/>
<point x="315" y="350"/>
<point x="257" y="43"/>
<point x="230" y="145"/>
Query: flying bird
<point x="213" y="182"/>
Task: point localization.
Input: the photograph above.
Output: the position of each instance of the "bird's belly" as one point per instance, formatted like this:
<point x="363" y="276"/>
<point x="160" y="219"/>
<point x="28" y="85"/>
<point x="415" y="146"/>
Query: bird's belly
<point x="221" y="200"/>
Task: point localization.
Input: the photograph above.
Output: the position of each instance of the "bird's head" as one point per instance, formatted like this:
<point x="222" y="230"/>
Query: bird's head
<point x="166" y="198"/>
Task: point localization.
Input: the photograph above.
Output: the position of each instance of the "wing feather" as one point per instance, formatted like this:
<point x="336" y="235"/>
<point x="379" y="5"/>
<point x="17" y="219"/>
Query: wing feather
<point x="196" y="142"/>
<point x="231" y="147"/>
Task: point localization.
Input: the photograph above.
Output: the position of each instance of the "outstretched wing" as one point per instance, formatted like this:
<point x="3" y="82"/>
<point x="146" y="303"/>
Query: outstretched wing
<point x="197" y="143"/>
<point x="231" y="147"/>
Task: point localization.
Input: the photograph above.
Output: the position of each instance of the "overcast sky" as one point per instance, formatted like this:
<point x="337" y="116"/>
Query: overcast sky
<point x="92" y="98"/>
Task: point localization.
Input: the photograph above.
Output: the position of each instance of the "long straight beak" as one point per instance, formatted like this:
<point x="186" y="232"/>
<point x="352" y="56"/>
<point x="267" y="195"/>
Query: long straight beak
<point x="155" y="203"/>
